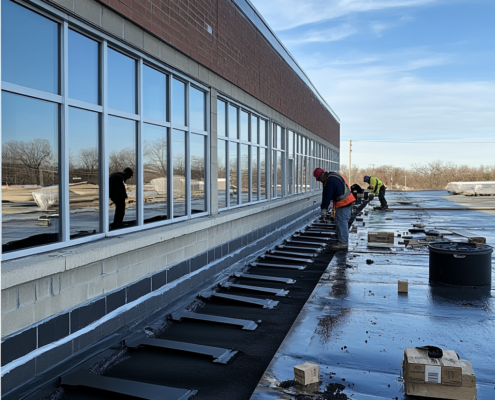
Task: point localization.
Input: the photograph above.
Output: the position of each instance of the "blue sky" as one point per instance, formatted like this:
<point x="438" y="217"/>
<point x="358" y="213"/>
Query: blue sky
<point x="399" y="70"/>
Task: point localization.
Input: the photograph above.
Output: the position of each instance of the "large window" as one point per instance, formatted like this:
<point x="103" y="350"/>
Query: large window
<point x="241" y="150"/>
<point x="94" y="139"/>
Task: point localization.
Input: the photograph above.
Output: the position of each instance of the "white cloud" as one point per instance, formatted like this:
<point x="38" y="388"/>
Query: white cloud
<point x="286" y="14"/>
<point x="325" y="35"/>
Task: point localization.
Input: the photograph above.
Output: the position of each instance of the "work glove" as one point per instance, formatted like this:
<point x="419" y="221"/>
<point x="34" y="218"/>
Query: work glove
<point x="323" y="214"/>
<point x="371" y="196"/>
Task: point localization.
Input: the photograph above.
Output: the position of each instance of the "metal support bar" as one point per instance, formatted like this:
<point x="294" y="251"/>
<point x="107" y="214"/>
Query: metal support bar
<point x="287" y="281"/>
<point x="303" y="242"/>
<point x="267" y="303"/>
<point x="291" y="253"/>
<point x="276" y="292"/>
<point x="268" y="265"/>
<point x="246" y="324"/>
<point x="220" y="355"/>
<point x="319" y="232"/>
<point x="289" y="247"/>
<point x="303" y="260"/>
<point x="128" y="388"/>
<point x="311" y="236"/>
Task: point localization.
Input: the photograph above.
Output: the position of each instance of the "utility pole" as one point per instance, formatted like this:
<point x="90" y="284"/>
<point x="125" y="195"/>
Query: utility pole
<point x="350" y="150"/>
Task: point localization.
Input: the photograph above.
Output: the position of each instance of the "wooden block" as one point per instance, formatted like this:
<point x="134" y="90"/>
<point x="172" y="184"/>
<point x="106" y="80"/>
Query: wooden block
<point x="403" y="286"/>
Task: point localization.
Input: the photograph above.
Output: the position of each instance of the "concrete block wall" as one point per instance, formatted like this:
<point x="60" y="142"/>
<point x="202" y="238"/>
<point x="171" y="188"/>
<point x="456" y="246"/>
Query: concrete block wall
<point x="236" y="52"/>
<point x="72" y="310"/>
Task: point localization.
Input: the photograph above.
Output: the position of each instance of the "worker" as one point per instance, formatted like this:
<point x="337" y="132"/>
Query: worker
<point x="377" y="187"/>
<point x="118" y="195"/>
<point x="336" y="189"/>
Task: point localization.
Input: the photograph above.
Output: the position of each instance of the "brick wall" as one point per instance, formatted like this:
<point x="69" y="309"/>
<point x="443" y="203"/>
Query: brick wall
<point x="236" y="51"/>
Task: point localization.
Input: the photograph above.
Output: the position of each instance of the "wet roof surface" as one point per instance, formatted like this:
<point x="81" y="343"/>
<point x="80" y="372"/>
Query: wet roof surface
<point x="355" y="325"/>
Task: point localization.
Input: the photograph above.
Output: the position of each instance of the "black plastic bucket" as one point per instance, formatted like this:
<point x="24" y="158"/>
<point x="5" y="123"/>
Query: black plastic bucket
<point x="461" y="264"/>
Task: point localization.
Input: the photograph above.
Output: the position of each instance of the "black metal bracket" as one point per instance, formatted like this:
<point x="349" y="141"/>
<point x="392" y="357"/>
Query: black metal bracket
<point x="276" y="292"/>
<point x="220" y="355"/>
<point x="290" y="247"/>
<point x="246" y="324"/>
<point x="125" y="387"/>
<point x="284" y="253"/>
<point x="287" y="281"/>
<point x="293" y="259"/>
<point x="268" y="265"/>
<point x="303" y="242"/>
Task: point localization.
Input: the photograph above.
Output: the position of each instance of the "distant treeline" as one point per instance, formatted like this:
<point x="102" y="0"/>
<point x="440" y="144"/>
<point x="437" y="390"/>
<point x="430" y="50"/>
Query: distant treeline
<point x="432" y="175"/>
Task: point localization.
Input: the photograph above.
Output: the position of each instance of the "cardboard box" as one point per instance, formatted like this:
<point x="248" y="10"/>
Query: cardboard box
<point x="307" y="373"/>
<point x="419" y="368"/>
<point x="439" y="391"/>
<point x="381" y="237"/>
<point x="403" y="286"/>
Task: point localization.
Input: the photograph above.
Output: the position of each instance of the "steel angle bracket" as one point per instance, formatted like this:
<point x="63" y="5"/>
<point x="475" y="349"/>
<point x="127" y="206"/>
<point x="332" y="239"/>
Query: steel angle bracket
<point x="125" y="387"/>
<point x="276" y="292"/>
<point x="289" y="247"/>
<point x="267" y="303"/>
<point x="268" y="265"/>
<point x="314" y="236"/>
<point x="246" y="324"/>
<point x="293" y="259"/>
<point x="278" y="252"/>
<point x="303" y="242"/>
<point x="287" y="281"/>
<point x="220" y="355"/>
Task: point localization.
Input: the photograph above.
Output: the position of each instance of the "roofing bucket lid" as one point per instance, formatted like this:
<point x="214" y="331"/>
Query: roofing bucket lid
<point x="460" y="248"/>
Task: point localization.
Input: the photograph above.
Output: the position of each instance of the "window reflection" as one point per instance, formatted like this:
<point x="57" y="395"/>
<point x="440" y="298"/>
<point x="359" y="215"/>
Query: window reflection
<point x="83" y="68"/>
<point x="121" y="143"/>
<point x="198" y="174"/>
<point x="197" y="109"/>
<point x="155" y="173"/>
<point x="30" y="172"/>
<point x="30" y="48"/>
<point x="154" y="93"/>
<point x="121" y="82"/>
<point x="279" y="174"/>
<point x="244" y="125"/>
<point x="179" y="171"/>
<point x="233" y="190"/>
<point x="244" y="173"/>
<point x="179" y="103"/>
<point x="222" y="173"/>
<point x="263" y="173"/>
<point x="273" y="192"/>
<point x="254" y="129"/>
<point x="263" y="132"/>
<point x="254" y="174"/>
<point x="84" y="175"/>
<point x="233" y="122"/>
<point x="221" y="121"/>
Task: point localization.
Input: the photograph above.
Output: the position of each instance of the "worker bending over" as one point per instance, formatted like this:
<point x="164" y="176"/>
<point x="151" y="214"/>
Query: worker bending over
<point x="377" y="187"/>
<point x="336" y="189"/>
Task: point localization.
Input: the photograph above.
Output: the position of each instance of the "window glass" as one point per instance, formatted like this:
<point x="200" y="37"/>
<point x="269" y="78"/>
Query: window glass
<point x="244" y="125"/>
<point x="233" y="174"/>
<point x="263" y="140"/>
<point x="233" y="122"/>
<point x="290" y="149"/>
<point x="197" y="109"/>
<point x="30" y="172"/>
<point x="179" y="103"/>
<point x="254" y="173"/>
<point x="280" y="131"/>
<point x="245" y="173"/>
<point x="273" y="175"/>
<point x="84" y="76"/>
<point x="279" y="173"/>
<point x="254" y="129"/>
<point x="30" y="49"/>
<point x="155" y="89"/>
<point x="222" y="173"/>
<point x="155" y="168"/>
<point x="121" y="143"/>
<point x="84" y="173"/>
<point x="221" y="115"/>
<point x="198" y="173"/>
<point x="179" y="169"/>
<point x="121" y="82"/>
<point x="263" y="173"/>
<point x="274" y="136"/>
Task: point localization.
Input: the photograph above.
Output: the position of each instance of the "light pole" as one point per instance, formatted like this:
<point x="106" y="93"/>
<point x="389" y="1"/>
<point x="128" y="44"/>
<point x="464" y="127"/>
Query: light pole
<point x="405" y="182"/>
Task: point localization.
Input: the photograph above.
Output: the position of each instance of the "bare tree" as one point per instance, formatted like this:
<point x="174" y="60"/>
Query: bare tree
<point x="88" y="161"/>
<point x="155" y="155"/>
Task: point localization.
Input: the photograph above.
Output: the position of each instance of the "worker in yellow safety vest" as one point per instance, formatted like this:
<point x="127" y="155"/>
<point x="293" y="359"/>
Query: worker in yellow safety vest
<point x="377" y="187"/>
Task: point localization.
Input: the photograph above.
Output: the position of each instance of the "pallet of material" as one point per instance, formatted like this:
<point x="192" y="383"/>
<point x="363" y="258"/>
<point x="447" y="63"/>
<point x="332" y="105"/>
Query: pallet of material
<point x="381" y="237"/>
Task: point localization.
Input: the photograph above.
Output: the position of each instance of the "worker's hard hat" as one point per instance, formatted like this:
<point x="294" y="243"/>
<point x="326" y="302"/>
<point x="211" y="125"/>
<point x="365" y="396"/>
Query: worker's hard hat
<point x="366" y="178"/>
<point x="317" y="172"/>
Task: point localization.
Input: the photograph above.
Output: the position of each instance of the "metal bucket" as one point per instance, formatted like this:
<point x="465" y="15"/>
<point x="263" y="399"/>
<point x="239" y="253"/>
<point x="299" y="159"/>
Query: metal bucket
<point x="461" y="264"/>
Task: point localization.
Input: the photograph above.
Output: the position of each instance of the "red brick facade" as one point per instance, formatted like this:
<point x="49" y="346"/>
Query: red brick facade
<point x="236" y="51"/>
